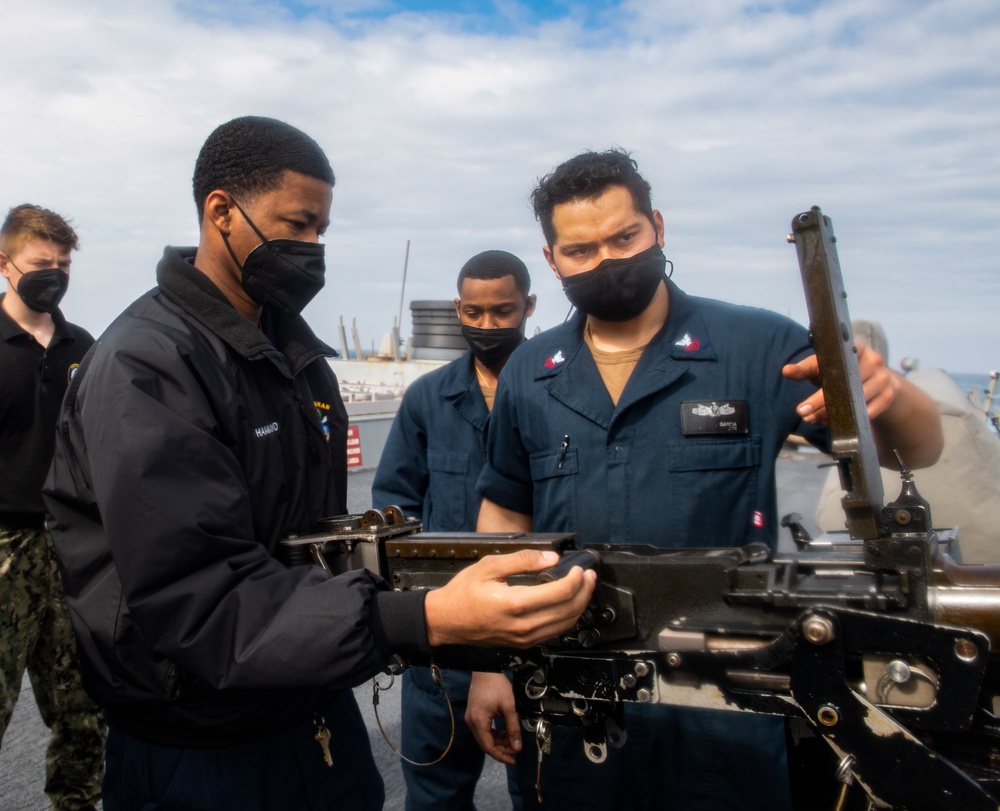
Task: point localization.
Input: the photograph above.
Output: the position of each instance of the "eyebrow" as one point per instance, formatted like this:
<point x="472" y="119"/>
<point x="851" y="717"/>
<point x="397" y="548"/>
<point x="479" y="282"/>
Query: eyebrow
<point x="310" y="216"/>
<point x="572" y="246"/>
<point x="590" y="243"/>
<point x="495" y="305"/>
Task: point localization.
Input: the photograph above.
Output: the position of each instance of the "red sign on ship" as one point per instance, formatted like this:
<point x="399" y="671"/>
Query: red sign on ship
<point x="353" y="446"/>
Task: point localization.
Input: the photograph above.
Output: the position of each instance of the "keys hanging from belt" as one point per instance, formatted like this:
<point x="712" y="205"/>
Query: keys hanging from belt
<point x="322" y="737"/>
<point x="543" y="739"/>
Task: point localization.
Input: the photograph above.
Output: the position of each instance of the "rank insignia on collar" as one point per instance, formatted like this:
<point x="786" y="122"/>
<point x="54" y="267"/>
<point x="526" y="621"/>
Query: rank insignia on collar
<point x="554" y="360"/>
<point x="688" y="343"/>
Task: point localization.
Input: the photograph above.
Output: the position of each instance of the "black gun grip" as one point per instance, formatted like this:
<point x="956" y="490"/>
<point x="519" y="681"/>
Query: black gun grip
<point x="584" y="558"/>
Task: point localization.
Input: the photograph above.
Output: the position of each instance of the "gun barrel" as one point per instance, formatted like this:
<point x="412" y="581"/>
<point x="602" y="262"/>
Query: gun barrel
<point x="967" y="597"/>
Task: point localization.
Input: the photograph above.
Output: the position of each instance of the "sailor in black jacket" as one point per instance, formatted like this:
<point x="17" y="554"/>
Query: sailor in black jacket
<point x="204" y="427"/>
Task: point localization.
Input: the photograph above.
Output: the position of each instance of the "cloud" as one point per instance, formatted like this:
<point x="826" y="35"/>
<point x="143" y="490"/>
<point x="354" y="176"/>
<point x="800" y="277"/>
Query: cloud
<point x="438" y="124"/>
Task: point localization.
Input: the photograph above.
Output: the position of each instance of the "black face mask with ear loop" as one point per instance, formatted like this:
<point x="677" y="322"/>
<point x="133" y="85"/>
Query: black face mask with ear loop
<point x="618" y="289"/>
<point x="42" y="290"/>
<point x="282" y="274"/>
<point x="492" y="346"/>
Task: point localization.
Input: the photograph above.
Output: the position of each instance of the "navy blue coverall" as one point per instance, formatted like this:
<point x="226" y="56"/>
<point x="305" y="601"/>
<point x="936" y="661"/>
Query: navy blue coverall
<point x="429" y="468"/>
<point x="645" y="471"/>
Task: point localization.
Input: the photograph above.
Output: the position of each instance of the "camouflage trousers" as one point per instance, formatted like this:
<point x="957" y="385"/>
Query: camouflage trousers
<point x="35" y="633"/>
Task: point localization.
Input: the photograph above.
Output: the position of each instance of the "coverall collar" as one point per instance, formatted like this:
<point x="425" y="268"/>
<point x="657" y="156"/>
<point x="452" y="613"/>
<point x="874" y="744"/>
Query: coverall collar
<point x="575" y="381"/>
<point x="462" y="390"/>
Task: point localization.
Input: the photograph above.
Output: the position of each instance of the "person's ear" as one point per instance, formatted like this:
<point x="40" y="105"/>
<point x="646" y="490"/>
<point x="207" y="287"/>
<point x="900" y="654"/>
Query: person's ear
<point x="530" y="309"/>
<point x="219" y="211"/>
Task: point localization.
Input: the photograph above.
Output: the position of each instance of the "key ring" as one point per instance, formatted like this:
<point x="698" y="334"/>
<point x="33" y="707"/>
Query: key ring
<point x="438" y="677"/>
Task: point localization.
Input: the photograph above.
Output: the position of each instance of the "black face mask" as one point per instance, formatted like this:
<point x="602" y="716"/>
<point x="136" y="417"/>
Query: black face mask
<point x="42" y="290"/>
<point x="492" y="346"/>
<point x="282" y="274"/>
<point x="618" y="289"/>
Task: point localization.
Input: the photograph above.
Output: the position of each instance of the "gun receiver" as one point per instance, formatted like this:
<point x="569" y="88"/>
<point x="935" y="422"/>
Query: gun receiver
<point x="874" y="639"/>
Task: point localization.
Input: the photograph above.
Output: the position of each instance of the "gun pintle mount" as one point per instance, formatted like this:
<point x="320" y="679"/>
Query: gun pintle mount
<point x="874" y="638"/>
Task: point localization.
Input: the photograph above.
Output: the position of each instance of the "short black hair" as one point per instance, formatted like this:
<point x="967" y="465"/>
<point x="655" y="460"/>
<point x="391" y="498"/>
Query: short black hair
<point x="247" y="156"/>
<point x="585" y="177"/>
<point x="495" y="265"/>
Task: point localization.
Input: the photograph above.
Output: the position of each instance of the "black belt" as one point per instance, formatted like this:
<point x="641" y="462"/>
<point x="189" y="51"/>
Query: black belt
<point x="14" y="521"/>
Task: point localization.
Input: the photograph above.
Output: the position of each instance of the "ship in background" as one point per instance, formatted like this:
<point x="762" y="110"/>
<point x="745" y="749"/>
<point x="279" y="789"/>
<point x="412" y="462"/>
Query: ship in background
<point x="372" y="384"/>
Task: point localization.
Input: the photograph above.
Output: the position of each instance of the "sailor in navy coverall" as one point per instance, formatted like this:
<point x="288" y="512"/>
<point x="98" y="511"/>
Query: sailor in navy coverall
<point x="653" y="417"/>
<point x="669" y="469"/>
<point x="429" y="467"/>
<point x="635" y="474"/>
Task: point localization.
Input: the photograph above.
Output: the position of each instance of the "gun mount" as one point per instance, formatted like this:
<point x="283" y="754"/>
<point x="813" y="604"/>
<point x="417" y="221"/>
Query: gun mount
<point x="874" y="639"/>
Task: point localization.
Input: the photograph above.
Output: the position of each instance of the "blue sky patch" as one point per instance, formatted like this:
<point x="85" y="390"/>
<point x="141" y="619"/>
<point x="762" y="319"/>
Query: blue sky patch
<point x="468" y="15"/>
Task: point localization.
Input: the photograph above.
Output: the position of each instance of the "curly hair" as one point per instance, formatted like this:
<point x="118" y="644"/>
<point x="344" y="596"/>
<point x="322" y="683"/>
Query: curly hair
<point x="26" y="222"/>
<point x="585" y="177"/>
<point x="247" y="156"/>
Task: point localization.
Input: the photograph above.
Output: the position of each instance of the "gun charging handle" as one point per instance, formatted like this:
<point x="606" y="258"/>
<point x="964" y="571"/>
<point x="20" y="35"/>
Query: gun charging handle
<point x="586" y="633"/>
<point x="584" y="558"/>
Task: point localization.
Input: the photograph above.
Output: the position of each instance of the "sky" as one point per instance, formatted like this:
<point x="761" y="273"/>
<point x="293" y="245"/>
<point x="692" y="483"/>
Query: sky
<point x="439" y="117"/>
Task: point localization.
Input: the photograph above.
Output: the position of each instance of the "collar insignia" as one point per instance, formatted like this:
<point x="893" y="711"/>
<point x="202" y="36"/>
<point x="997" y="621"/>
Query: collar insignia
<point x="554" y="360"/>
<point x="688" y="343"/>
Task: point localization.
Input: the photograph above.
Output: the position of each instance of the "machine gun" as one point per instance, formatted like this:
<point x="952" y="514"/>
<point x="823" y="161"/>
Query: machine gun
<point x="874" y="639"/>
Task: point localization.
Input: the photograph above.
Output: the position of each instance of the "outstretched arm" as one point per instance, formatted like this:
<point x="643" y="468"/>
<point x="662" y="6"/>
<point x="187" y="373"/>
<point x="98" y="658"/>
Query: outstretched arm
<point x="477" y="607"/>
<point x="903" y="417"/>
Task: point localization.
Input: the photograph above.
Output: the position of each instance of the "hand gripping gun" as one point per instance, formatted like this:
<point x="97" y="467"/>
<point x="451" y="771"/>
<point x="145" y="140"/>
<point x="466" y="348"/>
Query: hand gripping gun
<point x="874" y="643"/>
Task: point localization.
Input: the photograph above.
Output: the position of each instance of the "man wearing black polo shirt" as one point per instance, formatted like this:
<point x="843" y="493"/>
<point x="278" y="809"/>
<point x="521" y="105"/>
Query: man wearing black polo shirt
<point x="39" y="351"/>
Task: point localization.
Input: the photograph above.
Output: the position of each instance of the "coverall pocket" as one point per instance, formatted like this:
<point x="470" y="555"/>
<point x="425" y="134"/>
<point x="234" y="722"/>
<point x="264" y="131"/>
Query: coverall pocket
<point x="713" y="490"/>
<point x="554" y="476"/>
<point x="446" y="490"/>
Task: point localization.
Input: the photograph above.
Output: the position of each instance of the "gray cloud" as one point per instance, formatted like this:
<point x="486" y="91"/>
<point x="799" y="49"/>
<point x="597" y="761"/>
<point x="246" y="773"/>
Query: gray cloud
<point x="885" y="114"/>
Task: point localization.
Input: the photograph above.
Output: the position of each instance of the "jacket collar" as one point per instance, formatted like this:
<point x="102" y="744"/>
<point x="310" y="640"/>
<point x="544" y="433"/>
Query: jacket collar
<point x="191" y="290"/>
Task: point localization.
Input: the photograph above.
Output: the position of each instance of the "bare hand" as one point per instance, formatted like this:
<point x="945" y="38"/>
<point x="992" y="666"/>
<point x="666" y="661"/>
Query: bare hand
<point x="491" y="696"/>
<point x="903" y="418"/>
<point x="879" y="383"/>
<point x="477" y="607"/>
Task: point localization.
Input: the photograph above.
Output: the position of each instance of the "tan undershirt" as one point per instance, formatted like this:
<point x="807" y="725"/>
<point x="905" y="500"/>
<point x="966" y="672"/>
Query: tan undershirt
<point x="615" y="367"/>
<point x="488" y="395"/>
<point x="489" y="392"/>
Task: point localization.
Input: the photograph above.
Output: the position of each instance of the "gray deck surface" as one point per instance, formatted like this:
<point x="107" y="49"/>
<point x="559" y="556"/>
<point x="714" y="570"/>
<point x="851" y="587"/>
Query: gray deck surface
<point x="22" y="758"/>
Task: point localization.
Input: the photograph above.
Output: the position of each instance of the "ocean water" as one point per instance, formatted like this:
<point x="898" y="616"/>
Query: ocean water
<point x="974" y="384"/>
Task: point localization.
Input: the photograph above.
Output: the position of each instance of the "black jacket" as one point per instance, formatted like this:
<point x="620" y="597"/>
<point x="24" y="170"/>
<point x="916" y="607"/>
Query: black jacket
<point x="188" y="446"/>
